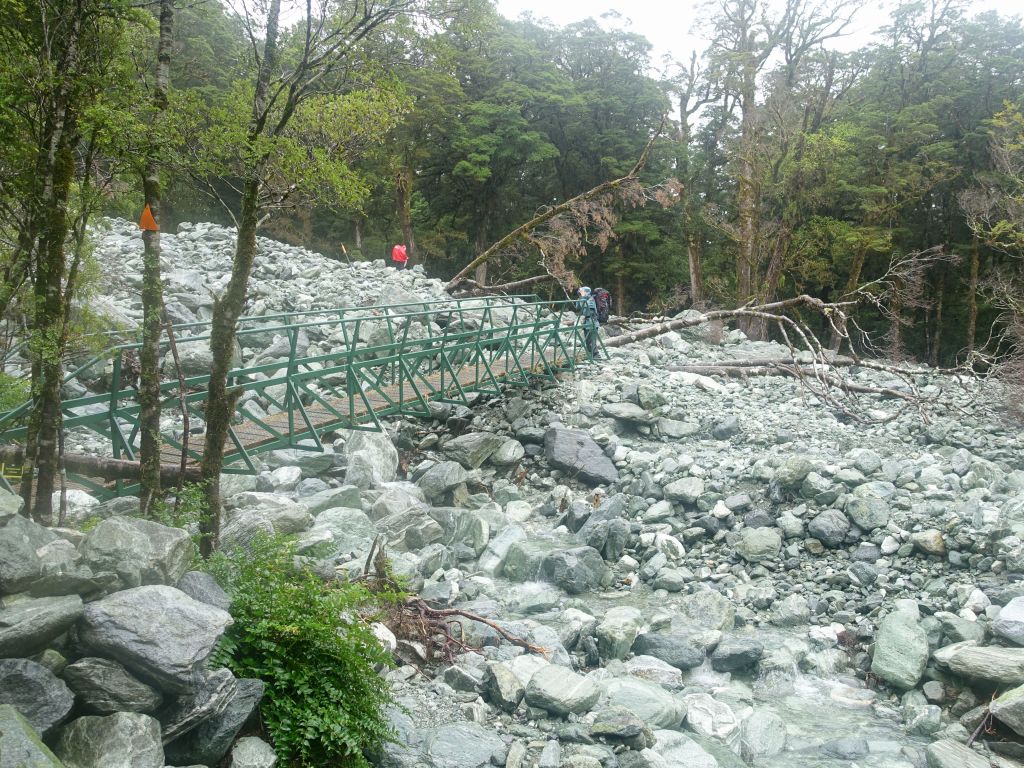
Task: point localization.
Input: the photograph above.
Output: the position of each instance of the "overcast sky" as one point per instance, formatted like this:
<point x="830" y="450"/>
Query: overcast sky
<point x="668" y="24"/>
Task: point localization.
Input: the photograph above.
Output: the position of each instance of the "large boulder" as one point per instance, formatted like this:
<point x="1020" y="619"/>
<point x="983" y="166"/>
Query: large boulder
<point x="947" y="753"/>
<point x="20" y="565"/>
<point x="138" y="551"/>
<point x="901" y="650"/>
<point x="20" y="746"/>
<point x="158" y="632"/>
<point x="209" y="742"/>
<point x="339" y="531"/>
<point x="463" y="745"/>
<point x="1009" y="624"/>
<point x="103" y="686"/>
<point x="617" y="631"/>
<point x="648" y="701"/>
<point x="372" y="459"/>
<point x="577" y="570"/>
<point x="201" y="586"/>
<point x="441" y="478"/>
<point x="868" y="513"/>
<point x="27" y="626"/>
<point x="185" y="712"/>
<point x="492" y="560"/>
<point x="1009" y="709"/>
<point x="561" y="691"/>
<point x="251" y="513"/>
<point x="757" y="544"/>
<point x="710" y="609"/>
<point x="121" y="740"/>
<point x="679" y="750"/>
<point x="675" y="648"/>
<point x="35" y="692"/>
<point x="574" y="452"/>
<point x="685" y="489"/>
<point x="252" y="752"/>
<point x="1004" y="666"/>
<point x="830" y="528"/>
<point x="736" y="653"/>
<point x="473" y="449"/>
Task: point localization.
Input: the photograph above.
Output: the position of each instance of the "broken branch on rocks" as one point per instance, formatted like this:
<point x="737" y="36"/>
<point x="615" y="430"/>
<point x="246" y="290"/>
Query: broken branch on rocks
<point x="99" y="467"/>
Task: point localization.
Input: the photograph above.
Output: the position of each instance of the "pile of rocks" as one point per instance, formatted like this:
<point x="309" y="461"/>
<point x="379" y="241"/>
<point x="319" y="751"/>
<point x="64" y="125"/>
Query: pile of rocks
<point x="719" y="573"/>
<point x="103" y="662"/>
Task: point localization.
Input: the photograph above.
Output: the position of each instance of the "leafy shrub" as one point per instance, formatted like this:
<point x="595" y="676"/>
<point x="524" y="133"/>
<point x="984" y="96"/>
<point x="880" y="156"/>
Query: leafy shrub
<point x="309" y="642"/>
<point x="13" y="392"/>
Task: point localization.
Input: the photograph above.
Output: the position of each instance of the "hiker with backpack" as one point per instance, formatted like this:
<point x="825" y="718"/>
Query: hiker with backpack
<point x="586" y="307"/>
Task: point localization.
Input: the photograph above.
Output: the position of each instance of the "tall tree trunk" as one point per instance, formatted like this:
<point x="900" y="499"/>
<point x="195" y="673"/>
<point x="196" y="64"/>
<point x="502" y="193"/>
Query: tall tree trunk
<point x="357" y="231"/>
<point x="972" y="296"/>
<point x="747" y="195"/>
<point x="49" y="323"/>
<point x="620" y="295"/>
<point x="693" y="256"/>
<point x="403" y="194"/>
<point x="480" y="273"/>
<point x="935" y="348"/>
<point x="152" y="288"/>
<point x="220" y="401"/>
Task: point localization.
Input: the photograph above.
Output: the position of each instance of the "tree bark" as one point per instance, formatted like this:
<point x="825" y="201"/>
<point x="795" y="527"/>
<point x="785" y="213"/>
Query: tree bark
<point x="403" y="195"/>
<point x="693" y="253"/>
<point x="972" y="296"/>
<point x="100" y="467"/>
<point x="220" y="400"/>
<point x="152" y="287"/>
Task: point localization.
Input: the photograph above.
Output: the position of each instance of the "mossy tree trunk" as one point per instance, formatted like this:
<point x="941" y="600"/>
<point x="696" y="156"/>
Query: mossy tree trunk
<point x="152" y="288"/>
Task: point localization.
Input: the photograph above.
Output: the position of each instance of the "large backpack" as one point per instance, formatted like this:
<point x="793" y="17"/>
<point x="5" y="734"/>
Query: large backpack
<point x="603" y="300"/>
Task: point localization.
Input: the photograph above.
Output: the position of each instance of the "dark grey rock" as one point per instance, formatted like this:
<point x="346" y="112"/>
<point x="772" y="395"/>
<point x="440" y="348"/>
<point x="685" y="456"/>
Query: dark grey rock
<point x="121" y="740"/>
<point x="204" y="588"/>
<point x="575" y="570"/>
<point x="473" y="449"/>
<point x="42" y="698"/>
<point x="736" y="653"/>
<point x="830" y="528"/>
<point x="561" y="691"/>
<point x="726" y="428"/>
<point x="19" y="563"/>
<point x="674" y="648"/>
<point x="575" y="452"/>
<point x="502" y="688"/>
<point x="207" y="700"/>
<point x="209" y="742"/>
<point x="849" y="748"/>
<point x="20" y="746"/>
<point x="27" y="626"/>
<point x="104" y="686"/>
<point x="138" y="551"/>
<point x="462" y="745"/>
<point x="158" y="632"/>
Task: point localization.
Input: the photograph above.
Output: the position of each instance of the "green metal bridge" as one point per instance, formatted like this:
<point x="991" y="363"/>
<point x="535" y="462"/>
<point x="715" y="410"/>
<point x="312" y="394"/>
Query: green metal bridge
<point x="383" y="360"/>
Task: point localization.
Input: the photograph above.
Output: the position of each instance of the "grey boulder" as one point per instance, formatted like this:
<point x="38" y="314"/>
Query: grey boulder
<point x="473" y="449"/>
<point x="441" y="478"/>
<point x="577" y="570"/>
<point x="561" y="691"/>
<point x="574" y="452"/>
<point x="32" y="689"/>
<point x="158" y="632"/>
<point x="868" y="513"/>
<point x="462" y="745"/>
<point x="209" y="742"/>
<point x="252" y="752"/>
<point x="204" y="588"/>
<point x="901" y="650"/>
<point x="372" y="459"/>
<point x="830" y="528"/>
<point x="757" y="544"/>
<point x="675" y="648"/>
<point x="138" y="551"/>
<point x="29" y="625"/>
<point x="104" y="686"/>
<point x="121" y="740"/>
<point x="20" y="746"/>
<point x="1009" y="623"/>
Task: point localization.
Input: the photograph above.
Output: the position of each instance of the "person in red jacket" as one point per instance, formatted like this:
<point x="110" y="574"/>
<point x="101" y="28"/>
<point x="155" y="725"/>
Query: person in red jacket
<point x="399" y="258"/>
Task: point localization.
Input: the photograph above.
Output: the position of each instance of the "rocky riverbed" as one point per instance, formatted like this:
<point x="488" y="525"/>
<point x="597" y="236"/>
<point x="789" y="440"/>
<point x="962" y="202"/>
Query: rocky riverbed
<point x="719" y="573"/>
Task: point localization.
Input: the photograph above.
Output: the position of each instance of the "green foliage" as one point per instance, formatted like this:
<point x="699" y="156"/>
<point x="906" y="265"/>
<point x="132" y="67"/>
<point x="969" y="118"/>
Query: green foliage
<point x="13" y="392"/>
<point x="309" y="642"/>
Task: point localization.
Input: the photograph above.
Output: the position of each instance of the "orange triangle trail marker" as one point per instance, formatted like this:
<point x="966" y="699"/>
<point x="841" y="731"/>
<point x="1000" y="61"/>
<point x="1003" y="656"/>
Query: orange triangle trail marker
<point x="147" y="223"/>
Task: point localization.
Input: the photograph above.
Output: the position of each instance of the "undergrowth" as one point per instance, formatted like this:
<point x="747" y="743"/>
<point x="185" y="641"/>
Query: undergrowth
<point x="310" y="643"/>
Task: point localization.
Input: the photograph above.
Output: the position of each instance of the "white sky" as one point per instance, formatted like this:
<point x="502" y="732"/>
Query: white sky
<point x="670" y="25"/>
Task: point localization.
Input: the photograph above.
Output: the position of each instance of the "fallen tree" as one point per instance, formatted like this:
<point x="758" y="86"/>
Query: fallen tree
<point x="102" y="468"/>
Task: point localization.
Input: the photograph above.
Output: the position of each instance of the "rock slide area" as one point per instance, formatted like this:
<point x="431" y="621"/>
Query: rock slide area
<point x="721" y="573"/>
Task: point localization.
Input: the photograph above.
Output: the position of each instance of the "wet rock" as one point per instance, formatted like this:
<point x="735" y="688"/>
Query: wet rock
<point x="757" y="544"/>
<point x="160" y="633"/>
<point x="617" y="631"/>
<point x="992" y="664"/>
<point x="32" y="689"/>
<point x="735" y="653"/>
<point x="677" y="749"/>
<point x="648" y="701"/>
<point x="619" y="725"/>
<point x="677" y="649"/>
<point x="121" y="740"/>
<point x="372" y="459"/>
<point x="575" y="452"/>
<point x="207" y="699"/>
<point x="951" y="754"/>
<point x="104" y="686"/>
<point x="710" y="609"/>
<point x="763" y="734"/>
<point x="560" y="691"/>
<point x="710" y="718"/>
<point x="502" y="687"/>
<point x="868" y="514"/>
<point x="575" y="570"/>
<point x="19" y="563"/>
<point x="930" y="542"/>
<point x="830" y="528"/>
<point x="901" y="650"/>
